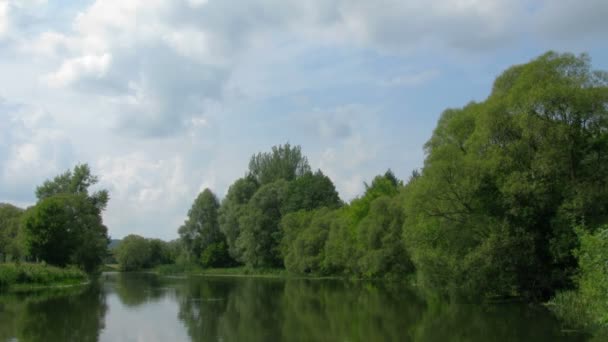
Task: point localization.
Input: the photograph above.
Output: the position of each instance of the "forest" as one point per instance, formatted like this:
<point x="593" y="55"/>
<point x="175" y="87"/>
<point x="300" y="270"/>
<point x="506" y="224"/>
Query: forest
<point x="511" y="202"/>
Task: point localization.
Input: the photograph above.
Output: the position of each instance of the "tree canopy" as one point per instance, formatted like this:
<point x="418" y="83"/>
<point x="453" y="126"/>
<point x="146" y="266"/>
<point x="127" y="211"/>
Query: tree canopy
<point x="65" y="226"/>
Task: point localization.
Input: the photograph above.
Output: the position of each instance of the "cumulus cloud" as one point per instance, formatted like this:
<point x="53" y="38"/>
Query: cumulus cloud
<point x="31" y="149"/>
<point x="163" y="62"/>
<point x="166" y="97"/>
<point x="92" y="66"/>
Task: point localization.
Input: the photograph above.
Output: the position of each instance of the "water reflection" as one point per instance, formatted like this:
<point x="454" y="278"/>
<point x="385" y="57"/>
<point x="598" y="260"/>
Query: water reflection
<point x="144" y="307"/>
<point x="75" y="314"/>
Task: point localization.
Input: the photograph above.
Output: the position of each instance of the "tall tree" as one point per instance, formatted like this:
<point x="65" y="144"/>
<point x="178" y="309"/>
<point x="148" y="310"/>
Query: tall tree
<point x="260" y="237"/>
<point x="10" y="245"/>
<point x="77" y="181"/>
<point x="282" y="162"/>
<point x="232" y="209"/>
<point x="311" y="191"/>
<point x="66" y="229"/>
<point x="66" y="224"/>
<point x="505" y="180"/>
<point x="134" y="253"/>
<point x="201" y="233"/>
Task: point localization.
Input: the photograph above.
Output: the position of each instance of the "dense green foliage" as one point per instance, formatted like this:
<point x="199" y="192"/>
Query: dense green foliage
<point x="38" y="274"/>
<point x="64" y="228"/>
<point x="283" y="162"/>
<point x="135" y="253"/>
<point x="506" y="179"/>
<point x="200" y="235"/>
<point x="260" y="235"/>
<point x="587" y="307"/>
<point x="77" y="181"/>
<point x="232" y="209"/>
<point x="11" y="247"/>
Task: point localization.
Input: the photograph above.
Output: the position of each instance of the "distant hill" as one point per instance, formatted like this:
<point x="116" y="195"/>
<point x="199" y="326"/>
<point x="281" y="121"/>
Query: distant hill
<point x="113" y="244"/>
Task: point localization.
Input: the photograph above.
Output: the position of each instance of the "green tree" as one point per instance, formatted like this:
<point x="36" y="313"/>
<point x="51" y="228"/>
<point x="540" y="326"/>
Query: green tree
<point x="305" y="235"/>
<point x="65" y="229"/>
<point x="133" y="253"/>
<point x="77" y="181"/>
<point x="160" y="252"/>
<point x="260" y="236"/>
<point x="232" y="209"/>
<point x="381" y="185"/>
<point x="283" y="162"/>
<point x="201" y="235"/>
<point x="341" y="245"/>
<point x="10" y="244"/>
<point x="505" y="179"/>
<point x="311" y="191"/>
<point x="382" y="249"/>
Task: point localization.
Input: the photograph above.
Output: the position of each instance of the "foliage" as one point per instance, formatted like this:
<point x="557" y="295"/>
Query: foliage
<point x="592" y="257"/>
<point x="283" y="162"/>
<point x="587" y="306"/>
<point x="65" y="226"/>
<point x="77" y="181"/>
<point x="10" y="243"/>
<point x="504" y="179"/>
<point x="216" y="255"/>
<point x="133" y="253"/>
<point x="260" y="234"/>
<point x="381" y="250"/>
<point x="303" y="245"/>
<point x="311" y="191"/>
<point x="65" y="229"/>
<point x="201" y="235"/>
<point x="38" y="274"/>
<point x="232" y="209"/>
<point x="382" y="185"/>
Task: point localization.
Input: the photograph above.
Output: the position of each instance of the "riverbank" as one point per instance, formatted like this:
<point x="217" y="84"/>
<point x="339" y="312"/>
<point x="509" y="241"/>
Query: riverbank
<point x="241" y="271"/>
<point x="25" y="276"/>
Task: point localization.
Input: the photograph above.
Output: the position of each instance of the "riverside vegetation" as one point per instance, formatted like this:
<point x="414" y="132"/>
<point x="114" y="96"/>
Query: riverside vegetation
<point x="60" y="239"/>
<point x="512" y="202"/>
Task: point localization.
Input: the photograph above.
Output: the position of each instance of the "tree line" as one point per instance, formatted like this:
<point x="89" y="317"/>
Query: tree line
<point x="512" y="201"/>
<point x="506" y="185"/>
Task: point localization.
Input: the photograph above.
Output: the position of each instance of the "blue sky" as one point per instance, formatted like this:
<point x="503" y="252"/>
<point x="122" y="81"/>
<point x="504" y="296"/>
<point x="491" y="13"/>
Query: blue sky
<point x="166" y="97"/>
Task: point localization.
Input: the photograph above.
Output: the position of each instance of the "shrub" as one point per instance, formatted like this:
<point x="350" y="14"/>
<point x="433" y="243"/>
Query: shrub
<point x="38" y="274"/>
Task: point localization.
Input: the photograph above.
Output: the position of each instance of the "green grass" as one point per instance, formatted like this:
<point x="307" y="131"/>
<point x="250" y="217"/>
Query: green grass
<point x="27" y="275"/>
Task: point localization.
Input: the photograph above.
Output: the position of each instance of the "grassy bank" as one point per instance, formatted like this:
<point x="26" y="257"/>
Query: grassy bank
<point x="240" y="271"/>
<point x="173" y="269"/>
<point x="26" y="275"/>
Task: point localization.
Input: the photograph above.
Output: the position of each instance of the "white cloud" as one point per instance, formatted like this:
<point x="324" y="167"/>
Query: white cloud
<point x="31" y="149"/>
<point x="4" y="18"/>
<point x="74" y="69"/>
<point x="166" y="97"/>
<point x="144" y="190"/>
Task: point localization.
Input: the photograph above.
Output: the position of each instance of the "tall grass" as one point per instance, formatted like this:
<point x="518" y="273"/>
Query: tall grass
<point x="38" y="274"/>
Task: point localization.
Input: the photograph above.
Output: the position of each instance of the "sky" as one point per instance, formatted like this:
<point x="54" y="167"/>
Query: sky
<point x="163" y="98"/>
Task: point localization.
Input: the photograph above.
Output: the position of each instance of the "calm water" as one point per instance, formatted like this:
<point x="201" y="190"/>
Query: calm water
<point x="144" y="307"/>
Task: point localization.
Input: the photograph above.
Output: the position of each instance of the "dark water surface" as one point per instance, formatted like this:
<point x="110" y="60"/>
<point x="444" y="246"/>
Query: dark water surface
<point x="148" y="308"/>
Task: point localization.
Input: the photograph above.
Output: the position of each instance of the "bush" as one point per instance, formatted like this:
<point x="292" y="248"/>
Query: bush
<point x="38" y="274"/>
<point x="587" y="307"/>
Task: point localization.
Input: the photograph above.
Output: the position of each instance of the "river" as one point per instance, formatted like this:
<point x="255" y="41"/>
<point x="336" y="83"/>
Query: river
<point x="148" y="308"/>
